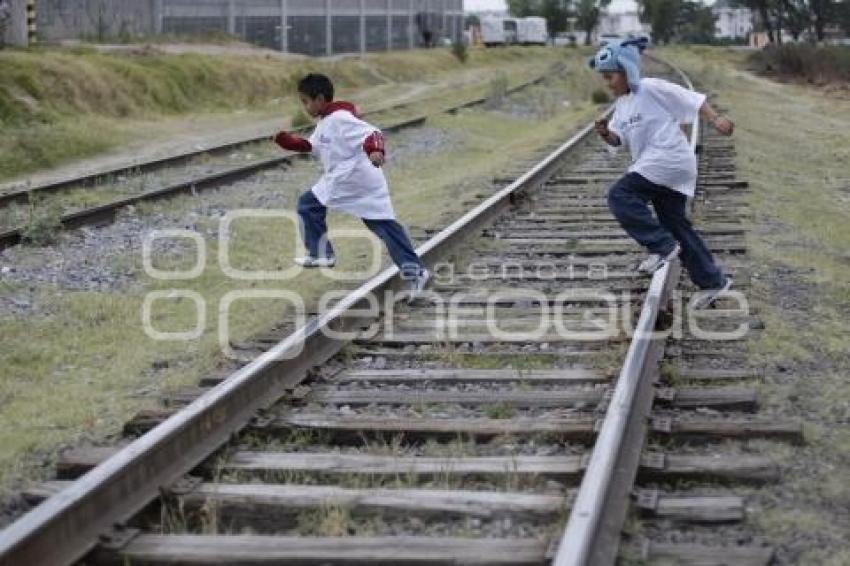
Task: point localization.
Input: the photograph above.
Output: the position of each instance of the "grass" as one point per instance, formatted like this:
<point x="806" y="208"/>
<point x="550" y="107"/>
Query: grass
<point x="792" y="146"/>
<point x="42" y="223"/>
<point x="69" y="372"/>
<point x="61" y="104"/>
<point x="499" y="411"/>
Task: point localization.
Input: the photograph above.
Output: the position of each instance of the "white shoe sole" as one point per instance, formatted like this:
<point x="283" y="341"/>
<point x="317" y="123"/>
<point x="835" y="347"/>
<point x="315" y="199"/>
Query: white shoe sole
<point x="314" y="262"/>
<point x="421" y="283"/>
<point x="712" y="296"/>
<point x="661" y="261"/>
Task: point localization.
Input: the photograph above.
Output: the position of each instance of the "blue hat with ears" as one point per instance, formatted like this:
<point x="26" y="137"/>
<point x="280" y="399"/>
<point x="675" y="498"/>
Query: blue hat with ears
<point x="621" y="56"/>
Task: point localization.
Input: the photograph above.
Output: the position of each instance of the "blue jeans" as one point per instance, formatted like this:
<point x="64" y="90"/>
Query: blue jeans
<point x="314" y="231"/>
<point x="629" y="200"/>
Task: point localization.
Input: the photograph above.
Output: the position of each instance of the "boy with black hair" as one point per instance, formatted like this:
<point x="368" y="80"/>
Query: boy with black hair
<point x="352" y="153"/>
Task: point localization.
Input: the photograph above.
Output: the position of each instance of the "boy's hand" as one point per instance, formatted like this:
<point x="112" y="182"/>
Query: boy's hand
<point x="601" y="127"/>
<point x="724" y="125"/>
<point x="377" y="158"/>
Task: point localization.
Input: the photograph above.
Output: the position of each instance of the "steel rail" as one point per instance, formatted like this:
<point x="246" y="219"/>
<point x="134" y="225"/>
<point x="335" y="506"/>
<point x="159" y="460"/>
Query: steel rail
<point x="24" y="195"/>
<point x="592" y="534"/>
<point x="68" y="525"/>
<point x="106" y="212"/>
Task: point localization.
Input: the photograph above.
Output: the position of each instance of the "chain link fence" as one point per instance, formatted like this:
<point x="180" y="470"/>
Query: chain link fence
<point x="310" y="27"/>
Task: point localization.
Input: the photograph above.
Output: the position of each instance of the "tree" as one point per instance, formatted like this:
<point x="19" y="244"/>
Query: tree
<point x="662" y="16"/>
<point x="762" y="8"/>
<point x="823" y="12"/>
<point x="695" y="23"/>
<point x="522" y="8"/>
<point x="842" y="15"/>
<point x="796" y="16"/>
<point x="587" y="16"/>
<point x="555" y="12"/>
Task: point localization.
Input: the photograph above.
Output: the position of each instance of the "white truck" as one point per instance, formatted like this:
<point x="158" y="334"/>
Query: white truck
<point x="532" y="31"/>
<point x="492" y="31"/>
<point x="499" y="31"/>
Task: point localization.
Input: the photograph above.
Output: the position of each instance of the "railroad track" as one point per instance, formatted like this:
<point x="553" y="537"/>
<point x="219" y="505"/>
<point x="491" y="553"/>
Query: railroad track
<point x="186" y="173"/>
<point x="460" y="431"/>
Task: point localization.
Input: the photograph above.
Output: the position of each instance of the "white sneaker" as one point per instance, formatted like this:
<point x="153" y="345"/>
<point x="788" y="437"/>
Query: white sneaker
<point x="310" y="261"/>
<point x="656" y="261"/>
<point x="417" y="285"/>
<point x="709" y="296"/>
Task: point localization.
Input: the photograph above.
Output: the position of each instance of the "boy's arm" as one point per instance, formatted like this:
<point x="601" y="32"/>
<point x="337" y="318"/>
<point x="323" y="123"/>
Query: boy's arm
<point x="374" y="146"/>
<point x="293" y="143"/>
<point x="357" y="135"/>
<point x="721" y="123"/>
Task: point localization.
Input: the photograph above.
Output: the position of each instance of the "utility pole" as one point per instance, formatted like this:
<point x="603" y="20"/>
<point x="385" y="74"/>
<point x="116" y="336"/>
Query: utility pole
<point x="32" y="23"/>
<point x="362" y="27"/>
<point x="410" y="39"/>
<point x="231" y="17"/>
<point x="157" y="16"/>
<point x="329" y="45"/>
<point x="389" y="24"/>
<point x="284" y="27"/>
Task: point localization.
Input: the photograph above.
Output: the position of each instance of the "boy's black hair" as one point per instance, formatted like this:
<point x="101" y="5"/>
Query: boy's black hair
<point x="315" y="84"/>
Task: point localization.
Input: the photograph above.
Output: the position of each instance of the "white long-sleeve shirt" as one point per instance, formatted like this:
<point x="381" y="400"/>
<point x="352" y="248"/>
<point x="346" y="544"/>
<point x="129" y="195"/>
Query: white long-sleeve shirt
<point x="350" y="182"/>
<point x="648" y="123"/>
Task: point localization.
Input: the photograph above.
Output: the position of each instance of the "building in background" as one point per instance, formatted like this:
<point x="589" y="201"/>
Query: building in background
<point x="621" y="23"/>
<point x="311" y="27"/>
<point x="733" y="22"/>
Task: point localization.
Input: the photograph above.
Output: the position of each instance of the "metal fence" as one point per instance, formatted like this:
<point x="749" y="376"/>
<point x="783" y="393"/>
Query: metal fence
<point x="14" y="24"/>
<point x="98" y="20"/>
<point x="318" y="27"/>
<point x="311" y="27"/>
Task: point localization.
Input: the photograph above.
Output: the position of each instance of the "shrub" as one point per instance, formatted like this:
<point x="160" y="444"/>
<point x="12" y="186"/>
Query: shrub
<point x="459" y="51"/>
<point x="599" y="96"/>
<point x="814" y="64"/>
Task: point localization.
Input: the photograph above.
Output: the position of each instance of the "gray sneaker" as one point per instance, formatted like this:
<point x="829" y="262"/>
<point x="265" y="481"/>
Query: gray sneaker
<point x="656" y="261"/>
<point x="708" y="297"/>
<point x="417" y="284"/>
<point x="310" y="261"/>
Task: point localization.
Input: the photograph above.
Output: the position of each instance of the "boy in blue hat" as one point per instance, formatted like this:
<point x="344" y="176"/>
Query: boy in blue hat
<point x="646" y="118"/>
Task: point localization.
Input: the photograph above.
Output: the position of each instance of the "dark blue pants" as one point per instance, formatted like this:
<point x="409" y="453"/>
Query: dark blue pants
<point x="629" y="200"/>
<point x="314" y="231"/>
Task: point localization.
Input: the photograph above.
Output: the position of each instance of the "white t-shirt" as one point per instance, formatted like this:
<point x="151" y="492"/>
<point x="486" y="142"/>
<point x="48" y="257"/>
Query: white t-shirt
<point x="648" y="123"/>
<point x="350" y="182"/>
